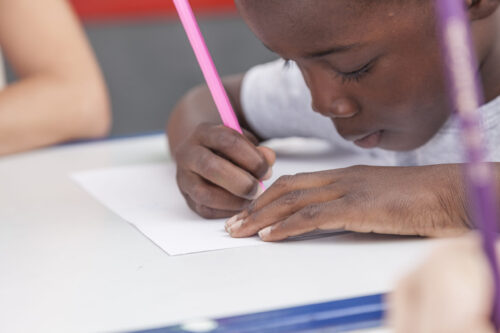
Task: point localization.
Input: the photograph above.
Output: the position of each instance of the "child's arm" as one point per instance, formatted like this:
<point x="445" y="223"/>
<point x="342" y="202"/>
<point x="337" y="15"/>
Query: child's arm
<point x="218" y="170"/>
<point x="424" y="200"/>
<point x="60" y="94"/>
<point x="452" y="292"/>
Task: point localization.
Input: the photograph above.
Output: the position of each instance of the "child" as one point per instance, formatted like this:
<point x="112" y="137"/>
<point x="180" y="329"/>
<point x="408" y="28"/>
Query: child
<point x="357" y="73"/>
<point x="60" y="94"/>
<point x="456" y="297"/>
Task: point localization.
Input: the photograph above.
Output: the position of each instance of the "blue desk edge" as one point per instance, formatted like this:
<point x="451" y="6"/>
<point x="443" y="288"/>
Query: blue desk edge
<point x="334" y="316"/>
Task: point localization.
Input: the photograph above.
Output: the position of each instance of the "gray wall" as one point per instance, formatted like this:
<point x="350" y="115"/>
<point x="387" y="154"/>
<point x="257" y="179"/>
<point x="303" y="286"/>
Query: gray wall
<point x="149" y="65"/>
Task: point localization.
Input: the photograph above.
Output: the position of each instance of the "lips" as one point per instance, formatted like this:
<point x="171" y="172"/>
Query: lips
<point x="370" y="141"/>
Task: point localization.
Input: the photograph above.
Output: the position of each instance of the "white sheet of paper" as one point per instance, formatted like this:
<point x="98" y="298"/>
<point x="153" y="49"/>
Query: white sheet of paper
<point x="147" y="196"/>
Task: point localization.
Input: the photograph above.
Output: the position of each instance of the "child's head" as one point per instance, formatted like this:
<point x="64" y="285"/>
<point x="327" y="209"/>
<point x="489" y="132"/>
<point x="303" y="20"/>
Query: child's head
<point x="373" y="66"/>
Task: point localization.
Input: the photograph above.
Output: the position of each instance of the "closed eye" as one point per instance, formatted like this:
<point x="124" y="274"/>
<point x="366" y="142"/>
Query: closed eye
<point x="357" y="75"/>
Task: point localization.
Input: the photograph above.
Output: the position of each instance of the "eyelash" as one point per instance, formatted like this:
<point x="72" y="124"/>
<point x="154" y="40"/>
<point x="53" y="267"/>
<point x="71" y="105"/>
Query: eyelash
<point x="354" y="76"/>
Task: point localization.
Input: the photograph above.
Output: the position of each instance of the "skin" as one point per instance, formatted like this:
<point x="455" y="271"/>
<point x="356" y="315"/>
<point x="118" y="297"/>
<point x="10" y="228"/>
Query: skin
<point x="398" y="92"/>
<point x="217" y="168"/>
<point x="60" y="94"/>
<point x="455" y="298"/>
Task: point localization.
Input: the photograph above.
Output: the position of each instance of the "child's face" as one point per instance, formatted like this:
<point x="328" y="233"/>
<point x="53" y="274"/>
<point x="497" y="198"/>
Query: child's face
<point x="375" y="70"/>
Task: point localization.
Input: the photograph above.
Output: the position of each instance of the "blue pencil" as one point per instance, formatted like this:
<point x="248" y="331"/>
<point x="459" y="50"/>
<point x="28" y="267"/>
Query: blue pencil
<point x="337" y="316"/>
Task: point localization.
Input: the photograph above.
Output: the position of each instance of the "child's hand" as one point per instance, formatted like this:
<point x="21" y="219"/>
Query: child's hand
<point x="451" y="293"/>
<point x="425" y="201"/>
<point x="218" y="170"/>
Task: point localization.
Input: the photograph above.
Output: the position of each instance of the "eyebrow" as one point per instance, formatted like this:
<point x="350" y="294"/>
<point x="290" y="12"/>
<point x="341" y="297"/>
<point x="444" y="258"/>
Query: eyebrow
<point x="331" y="50"/>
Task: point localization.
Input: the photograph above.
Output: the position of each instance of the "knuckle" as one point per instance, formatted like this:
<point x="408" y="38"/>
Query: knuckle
<point x="244" y="205"/>
<point x="247" y="223"/>
<point x="310" y="212"/>
<point x="292" y="198"/>
<point x="179" y="177"/>
<point x="260" y="167"/>
<point x="206" y="212"/>
<point x="354" y="199"/>
<point x="284" y="181"/>
<point x="252" y="207"/>
<point x="227" y="140"/>
<point x="202" y="127"/>
<point x="181" y="153"/>
<point x="190" y="202"/>
<point x="250" y="187"/>
<point x="200" y="132"/>
<point x="207" y="164"/>
<point x="357" y="168"/>
<point x="200" y="194"/>
<point x="183" y="182"/>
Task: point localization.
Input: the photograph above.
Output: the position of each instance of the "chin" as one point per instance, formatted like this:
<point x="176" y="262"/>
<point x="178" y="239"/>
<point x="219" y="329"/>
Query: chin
<point x="400" y="144"/>
<point x="398" y="147"/>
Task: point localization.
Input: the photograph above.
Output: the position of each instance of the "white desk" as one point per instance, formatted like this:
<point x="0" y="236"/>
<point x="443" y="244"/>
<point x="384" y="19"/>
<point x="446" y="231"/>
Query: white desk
<point x="70" y="265"/>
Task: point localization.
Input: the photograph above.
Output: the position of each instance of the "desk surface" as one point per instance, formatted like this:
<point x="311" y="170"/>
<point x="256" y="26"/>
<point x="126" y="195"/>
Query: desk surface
<point x="68" y="264"/>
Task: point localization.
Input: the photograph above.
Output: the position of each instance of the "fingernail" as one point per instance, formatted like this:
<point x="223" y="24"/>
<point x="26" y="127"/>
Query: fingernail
<point x="268" y="174"/>
<point x="264" y="233"/>
<point x="234" y="227"/>
<point x="235" y="219"/>
<point x="230" y="222"/>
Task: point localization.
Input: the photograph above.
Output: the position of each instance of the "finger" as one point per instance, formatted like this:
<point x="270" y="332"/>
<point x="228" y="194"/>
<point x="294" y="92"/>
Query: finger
<point x="280" y="209"/>
<point x="206" y="212"/>
<point x="208" y="195"/>
<point x="236" y="148"/>
<point x="309" y="218"/>
<point x="250" y="136"/>
<point x="268" y="153"/>
<point x="404" y="311"/>
<point x="456" y="299"/>
<point x="270" y="157"/>
<point x="287" y="184"/>
<point x="222" y="172"/>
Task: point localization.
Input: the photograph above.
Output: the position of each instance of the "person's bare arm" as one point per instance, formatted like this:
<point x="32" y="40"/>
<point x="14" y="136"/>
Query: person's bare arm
<point x="217" y="168"/>
<point x="60" y="94"/>
<point x="197" y="107"/>
<point x="452" y="291"/>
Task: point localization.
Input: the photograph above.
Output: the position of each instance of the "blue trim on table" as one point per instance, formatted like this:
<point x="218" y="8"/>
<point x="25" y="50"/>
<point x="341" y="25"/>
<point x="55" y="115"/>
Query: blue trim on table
<point x="336" y="316"/>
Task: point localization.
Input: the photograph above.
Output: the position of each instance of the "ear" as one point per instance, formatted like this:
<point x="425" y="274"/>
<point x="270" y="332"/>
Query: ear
<point x="480" y="9"/>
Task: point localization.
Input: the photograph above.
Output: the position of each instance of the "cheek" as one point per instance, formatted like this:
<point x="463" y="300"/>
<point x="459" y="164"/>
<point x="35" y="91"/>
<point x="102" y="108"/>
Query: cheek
<point x="411" y="81"/>
<point x="406" y="83"/>
<point x="408" y="99"/>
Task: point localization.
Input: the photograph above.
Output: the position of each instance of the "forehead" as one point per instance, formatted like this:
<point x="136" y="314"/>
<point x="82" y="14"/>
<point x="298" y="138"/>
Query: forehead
<point x="290" y="26"/>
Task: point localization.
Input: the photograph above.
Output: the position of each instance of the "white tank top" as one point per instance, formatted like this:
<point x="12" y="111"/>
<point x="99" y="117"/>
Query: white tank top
<point x="2" y="72"/>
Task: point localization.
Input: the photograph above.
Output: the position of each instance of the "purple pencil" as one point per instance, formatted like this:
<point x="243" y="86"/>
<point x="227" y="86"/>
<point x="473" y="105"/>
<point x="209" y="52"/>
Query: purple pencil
<point x="466" y="94"/>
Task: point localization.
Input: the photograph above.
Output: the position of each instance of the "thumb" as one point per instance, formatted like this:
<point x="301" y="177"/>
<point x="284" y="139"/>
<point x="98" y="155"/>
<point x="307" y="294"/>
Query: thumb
<point x="250" y="136"/>
<point x="270" y="157"/>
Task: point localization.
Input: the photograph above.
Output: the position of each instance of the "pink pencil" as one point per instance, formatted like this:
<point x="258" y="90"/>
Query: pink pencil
<point x="206" y="63"/>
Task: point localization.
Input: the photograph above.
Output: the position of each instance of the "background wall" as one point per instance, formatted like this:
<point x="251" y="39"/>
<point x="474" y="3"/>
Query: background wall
<point x="146" y="58"/>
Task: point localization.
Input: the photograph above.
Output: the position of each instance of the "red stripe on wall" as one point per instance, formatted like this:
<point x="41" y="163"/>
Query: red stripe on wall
<point x="105" y="9"/>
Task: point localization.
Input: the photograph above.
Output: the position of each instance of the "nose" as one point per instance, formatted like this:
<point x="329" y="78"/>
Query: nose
<point x="339" y="108"/>
<point x="329" y="96"/>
